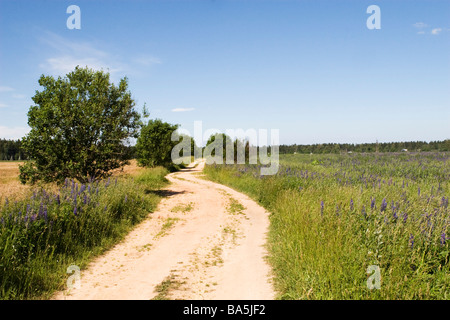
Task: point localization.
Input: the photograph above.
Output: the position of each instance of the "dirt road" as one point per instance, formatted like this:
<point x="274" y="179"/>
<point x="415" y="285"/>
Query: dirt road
<point x="205" y="241"/>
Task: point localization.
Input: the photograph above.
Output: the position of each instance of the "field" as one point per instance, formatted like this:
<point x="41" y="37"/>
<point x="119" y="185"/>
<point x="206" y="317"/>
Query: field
<point x="46" y="228"/>
<point x="10" y="185"/>
<point x="354" y="226"/>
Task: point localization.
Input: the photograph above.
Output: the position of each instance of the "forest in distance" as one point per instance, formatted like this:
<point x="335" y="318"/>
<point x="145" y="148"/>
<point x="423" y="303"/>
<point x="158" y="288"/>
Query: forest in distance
<point x="11" y="149"/>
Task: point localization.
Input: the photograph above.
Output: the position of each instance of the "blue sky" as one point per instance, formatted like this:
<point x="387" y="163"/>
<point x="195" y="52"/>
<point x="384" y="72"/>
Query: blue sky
<point x="311" y="69"/>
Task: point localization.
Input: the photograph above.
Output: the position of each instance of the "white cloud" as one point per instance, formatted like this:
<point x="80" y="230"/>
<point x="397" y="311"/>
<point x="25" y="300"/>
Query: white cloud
<point x="69" y="54"/>
<point x="421" y="32"/>
<point x="66" y="55"/>
<point x="13" y="132"/>
<point x="65" y="64"/>
<point x="182" y="109"/>
<point x="146" y="60"/>
<point x="6" y="89"/>
<point x="2" y="105"/>
<point x="18" y="96"/>
<point x="420" y="25"/>
<point x="436" y="31"/>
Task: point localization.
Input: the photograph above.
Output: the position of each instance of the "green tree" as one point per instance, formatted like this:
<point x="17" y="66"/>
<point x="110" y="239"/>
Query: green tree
<point x="80" y="125"/>
<point x="216" y="148"/>
<point x="154" y="145"/>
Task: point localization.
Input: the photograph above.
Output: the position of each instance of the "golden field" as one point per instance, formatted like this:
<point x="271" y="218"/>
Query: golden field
<point x="12" y="188"/>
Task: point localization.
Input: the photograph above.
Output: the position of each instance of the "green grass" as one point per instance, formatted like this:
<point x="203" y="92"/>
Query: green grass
<point x="44" y="234"/>
<point x="168" y="224"/>
<point x="184" y="208"/>
<point x="166" y="286"/>
<point x="372" y="211"/>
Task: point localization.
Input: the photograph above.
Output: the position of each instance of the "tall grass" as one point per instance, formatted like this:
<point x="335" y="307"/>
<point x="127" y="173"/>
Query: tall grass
<point x="47" y="232"/>
<point x="334" y="216"/>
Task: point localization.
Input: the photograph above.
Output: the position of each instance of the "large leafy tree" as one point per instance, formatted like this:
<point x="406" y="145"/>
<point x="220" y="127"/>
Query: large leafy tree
<point x="154" y="145"/>
<point x="80" y="125"/>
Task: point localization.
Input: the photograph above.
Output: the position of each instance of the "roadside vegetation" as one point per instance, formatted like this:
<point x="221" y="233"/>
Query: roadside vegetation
<point x="334" y="216"/>
<point x="78" y="196"/>
<point x="42" y="235"/>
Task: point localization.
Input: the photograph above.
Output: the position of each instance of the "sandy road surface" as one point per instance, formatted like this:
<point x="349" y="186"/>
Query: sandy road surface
<point x="205" y="241"/>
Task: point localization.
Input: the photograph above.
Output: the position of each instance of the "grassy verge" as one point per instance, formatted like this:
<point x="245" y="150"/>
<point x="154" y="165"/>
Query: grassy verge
<point x="333" y="217"/>
<point x="42" y="235"/>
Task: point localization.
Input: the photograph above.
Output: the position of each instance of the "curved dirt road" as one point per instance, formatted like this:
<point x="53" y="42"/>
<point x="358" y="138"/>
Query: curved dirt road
<point x="205" y="241"/>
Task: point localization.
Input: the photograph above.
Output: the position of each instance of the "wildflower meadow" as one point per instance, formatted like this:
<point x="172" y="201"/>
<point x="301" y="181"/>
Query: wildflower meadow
<point x="334" y="216"/>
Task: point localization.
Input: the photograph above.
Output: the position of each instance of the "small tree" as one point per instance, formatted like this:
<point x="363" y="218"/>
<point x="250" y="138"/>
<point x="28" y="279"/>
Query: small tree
<point x="79" y="127"/>
<point x="154" y="145"/>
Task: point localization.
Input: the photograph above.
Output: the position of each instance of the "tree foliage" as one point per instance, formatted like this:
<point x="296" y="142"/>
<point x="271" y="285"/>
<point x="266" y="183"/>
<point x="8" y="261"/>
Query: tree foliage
<point x="154" y="145"/>
<point x="413" y="146"/>
<point x="79" y="127"/>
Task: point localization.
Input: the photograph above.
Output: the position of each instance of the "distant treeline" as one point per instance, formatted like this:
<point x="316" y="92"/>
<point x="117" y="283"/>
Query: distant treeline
<point x="412" y="146"/>
<point x="10" y="150"/>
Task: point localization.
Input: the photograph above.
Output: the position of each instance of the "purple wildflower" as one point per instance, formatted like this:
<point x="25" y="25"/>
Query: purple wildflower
<point x="372" y="203"/>
<point x="75" y="210"/>
<point x="443" y="238"/>
<point x="444" y="202"/>
<point x="351" y="204"/>
<point x="411" y="241"/>
<point x="405" y="217"/>
<point x="383" y="205"/>
<point x="321" y="207"/>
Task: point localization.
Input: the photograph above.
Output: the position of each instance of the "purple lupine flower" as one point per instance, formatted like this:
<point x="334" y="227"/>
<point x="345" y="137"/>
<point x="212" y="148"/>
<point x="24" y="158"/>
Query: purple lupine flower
<point x="85" y="199"/>
<point x="41" y="210"/>
<point x="383" y="205"/>
<point x="89" y="188"/>
<point x="351" y="205"/>
<point x="82" y="188"/>
<point x="405" y="217"/>
<point x="321" y="207"/>
<point x="372" y="203"/>
<point x="411" y="241"/>
<point x="75" y="210"/>
<point x="58" y="201"/>
<point x="6" y="201"/>
<point x="443" y="238"/>
<point x="363" y="211"/>
<point x="444" y="202"/>
<point x="395" y="215"/>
